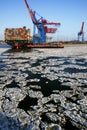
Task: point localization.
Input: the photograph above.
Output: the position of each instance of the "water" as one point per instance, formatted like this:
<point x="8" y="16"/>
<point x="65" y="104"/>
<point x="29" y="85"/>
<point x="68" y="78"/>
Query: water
<point x="51" y="67"/>
<point x="4" y="47"/>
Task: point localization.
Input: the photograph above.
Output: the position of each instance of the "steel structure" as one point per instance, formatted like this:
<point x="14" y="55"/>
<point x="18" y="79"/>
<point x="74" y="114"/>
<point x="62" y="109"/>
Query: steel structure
<point x="81" y="33"/>
<point x="42" y="26"/>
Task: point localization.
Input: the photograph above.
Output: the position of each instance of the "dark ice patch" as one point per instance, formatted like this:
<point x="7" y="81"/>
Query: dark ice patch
<point x="47" y="86"/>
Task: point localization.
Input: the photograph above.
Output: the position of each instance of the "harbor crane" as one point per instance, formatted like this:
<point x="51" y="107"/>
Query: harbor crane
<point x="81" y="33"/>
<point x="42" y="26"/>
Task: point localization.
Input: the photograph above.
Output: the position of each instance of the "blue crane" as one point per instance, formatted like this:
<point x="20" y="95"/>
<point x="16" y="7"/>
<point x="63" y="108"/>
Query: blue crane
<point x="42" y="25"/>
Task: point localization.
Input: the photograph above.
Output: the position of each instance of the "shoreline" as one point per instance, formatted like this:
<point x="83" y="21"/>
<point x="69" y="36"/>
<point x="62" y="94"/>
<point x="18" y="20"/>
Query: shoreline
<point x="73" y="44"/>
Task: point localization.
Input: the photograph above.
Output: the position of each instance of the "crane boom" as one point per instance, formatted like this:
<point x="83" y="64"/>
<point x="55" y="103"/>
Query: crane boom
<point x="32" y="13"/>
<point x="82" y="29"/>
<point x="81" y="33"/>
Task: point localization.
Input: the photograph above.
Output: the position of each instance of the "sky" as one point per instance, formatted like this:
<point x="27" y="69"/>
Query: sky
<point x="70" y="13"/>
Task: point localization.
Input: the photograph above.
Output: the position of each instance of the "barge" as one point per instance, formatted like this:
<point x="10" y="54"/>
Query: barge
<point x="22" y="38"/>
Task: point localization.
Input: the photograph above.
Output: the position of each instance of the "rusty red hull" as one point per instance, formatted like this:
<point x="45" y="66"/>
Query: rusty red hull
<point x="28" y="45"/>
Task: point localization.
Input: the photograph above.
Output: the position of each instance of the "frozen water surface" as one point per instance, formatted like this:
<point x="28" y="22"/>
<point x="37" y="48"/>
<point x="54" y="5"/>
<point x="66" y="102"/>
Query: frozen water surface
<point x="48" y="83"/>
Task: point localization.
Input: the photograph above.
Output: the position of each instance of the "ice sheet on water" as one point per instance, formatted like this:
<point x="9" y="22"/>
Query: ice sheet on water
<point x="67" y="64"/>
<point x="54" y="78"/>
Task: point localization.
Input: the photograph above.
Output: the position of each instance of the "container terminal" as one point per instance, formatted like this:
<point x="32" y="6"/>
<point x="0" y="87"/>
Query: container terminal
<point x="22" y="37"/>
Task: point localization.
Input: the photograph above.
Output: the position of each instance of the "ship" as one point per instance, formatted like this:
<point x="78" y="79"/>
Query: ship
<point x="22" y="38"/>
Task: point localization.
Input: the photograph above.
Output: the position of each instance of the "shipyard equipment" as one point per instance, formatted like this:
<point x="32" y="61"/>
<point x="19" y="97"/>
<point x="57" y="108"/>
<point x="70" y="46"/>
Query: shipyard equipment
<point x="42" y="26"/>
<point x="81" y="33"/>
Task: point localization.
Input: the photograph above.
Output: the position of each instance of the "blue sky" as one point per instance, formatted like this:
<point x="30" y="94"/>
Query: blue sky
<point x="70" y="13"/>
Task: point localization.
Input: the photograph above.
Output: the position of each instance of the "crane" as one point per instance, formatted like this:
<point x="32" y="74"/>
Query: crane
<point x="42" y="26"/>
<point x="81" y="33"/>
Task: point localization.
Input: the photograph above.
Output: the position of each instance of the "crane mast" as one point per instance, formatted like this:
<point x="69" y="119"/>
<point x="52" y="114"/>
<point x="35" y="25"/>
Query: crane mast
<point x="42" y="26"/>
